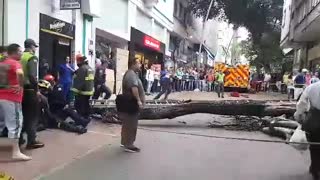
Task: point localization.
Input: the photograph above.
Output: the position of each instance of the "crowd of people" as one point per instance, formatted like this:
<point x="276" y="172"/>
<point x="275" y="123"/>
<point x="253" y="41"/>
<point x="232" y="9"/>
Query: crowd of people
<point x="183" y="79"/>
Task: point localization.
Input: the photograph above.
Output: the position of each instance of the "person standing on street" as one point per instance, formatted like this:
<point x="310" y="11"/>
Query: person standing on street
<point x="179" y="75"/>
<point x="65" y="78"/>
<point x="220" y="84"/>
<point x="83" y="86"/>
<point x="133" y="90"/>
<point x="11" y="92"/>
<point x="165" y="82"/>
<point x="310" y="123"/>
<point x="150" y="79"/>
<point x="100" y="82"/>
<point x="30" y="103"/>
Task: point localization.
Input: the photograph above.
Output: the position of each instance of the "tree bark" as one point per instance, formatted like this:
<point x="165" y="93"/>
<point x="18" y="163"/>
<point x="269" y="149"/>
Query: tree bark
<point x="241" y="107"/>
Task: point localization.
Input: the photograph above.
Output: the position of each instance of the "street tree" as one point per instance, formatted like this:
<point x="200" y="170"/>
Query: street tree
<point x="262" y="18"/>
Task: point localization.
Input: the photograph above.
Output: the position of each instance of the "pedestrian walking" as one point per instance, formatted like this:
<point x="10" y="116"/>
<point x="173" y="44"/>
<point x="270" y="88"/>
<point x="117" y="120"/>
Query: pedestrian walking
<point x="165" y="82"/>
<point x="220" y="84"/>
<point x="83" y="86"/>
<point x="150" y="79"/>
<point x="100" y="82"/>
<point x="11" y="92"/>
<point x="66" y="72"/>
<point x="129" y="105"/>
<point x="311" y="124"/>
<point x="31" y="95"/>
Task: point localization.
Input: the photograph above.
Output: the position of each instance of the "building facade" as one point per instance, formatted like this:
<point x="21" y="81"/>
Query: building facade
<point x="113" y="30"/>
<point x="301" y="32"/>
<point x="186" y="37"/>
<point x="56" y="31"/>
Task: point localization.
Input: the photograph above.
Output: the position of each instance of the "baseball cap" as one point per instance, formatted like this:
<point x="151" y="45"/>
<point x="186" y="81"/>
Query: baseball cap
<point x="30" y="42"/>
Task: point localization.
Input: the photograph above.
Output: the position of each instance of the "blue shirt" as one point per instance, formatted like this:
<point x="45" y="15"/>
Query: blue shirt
<point x="164" y="76"/>
<point x="65" y="74"/>
<point x="300" y="79"/>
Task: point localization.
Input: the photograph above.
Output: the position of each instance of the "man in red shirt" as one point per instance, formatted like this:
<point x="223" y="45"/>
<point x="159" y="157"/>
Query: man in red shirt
<point x="11" y="92"/>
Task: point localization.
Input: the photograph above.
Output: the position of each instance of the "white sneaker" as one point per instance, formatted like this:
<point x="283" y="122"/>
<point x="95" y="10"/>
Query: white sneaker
<point x="18" y="156"/>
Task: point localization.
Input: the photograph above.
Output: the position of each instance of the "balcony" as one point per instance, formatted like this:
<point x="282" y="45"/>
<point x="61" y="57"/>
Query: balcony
<point x="306" y="22"/>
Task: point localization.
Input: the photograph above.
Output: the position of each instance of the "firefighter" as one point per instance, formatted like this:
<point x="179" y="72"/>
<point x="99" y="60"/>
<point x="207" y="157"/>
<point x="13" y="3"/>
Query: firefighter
<point x="83" y="86"/>
<point x="30" y="103"/>
<point x="55" y="111"/>
<point x="100" y="82"/>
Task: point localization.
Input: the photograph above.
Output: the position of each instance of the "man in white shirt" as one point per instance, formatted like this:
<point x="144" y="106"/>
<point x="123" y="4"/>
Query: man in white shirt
<point x="267" y="78"/>
<point x="150" y="78"/>
<point x="308" y="111"/>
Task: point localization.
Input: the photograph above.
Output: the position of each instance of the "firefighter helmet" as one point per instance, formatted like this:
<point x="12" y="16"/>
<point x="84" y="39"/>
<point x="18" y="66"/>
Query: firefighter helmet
<point x="49" y="78"/>
<point x="44" y="84"/>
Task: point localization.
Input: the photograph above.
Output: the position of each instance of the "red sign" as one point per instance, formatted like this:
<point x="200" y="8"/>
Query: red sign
<point x="151" y="43"/>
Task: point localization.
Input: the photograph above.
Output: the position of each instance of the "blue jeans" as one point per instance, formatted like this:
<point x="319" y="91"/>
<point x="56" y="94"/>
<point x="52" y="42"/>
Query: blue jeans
<point x="66" y="86"/>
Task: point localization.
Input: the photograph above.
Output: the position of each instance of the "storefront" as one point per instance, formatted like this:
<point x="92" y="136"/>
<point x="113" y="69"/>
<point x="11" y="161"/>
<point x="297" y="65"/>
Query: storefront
<point x="55" y="44"/>
<point x="147" y="49"/>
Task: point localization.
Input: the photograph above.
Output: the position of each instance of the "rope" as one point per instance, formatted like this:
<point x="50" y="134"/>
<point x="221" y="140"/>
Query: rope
<point x="231" y="138"/>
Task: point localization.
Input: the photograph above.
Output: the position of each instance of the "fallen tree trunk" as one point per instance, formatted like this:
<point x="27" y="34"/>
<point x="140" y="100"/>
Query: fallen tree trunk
<point x="247" y="108"/>
<point x="241" y="107"/>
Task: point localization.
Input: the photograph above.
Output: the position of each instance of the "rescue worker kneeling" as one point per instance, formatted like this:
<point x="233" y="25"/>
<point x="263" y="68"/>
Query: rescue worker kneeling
<point x="55" y="112"/>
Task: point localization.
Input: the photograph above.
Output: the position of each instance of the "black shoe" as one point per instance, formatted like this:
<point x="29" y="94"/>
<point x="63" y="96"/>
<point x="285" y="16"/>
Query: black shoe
<point x="35" y="145"/>
<point x="81" y="130"/>
<point x="132" y="149"/>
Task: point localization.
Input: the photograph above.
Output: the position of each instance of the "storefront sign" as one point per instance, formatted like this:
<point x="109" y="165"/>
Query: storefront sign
<point x="70" y="4"/>
<point x="143" y="40"/>
<point x="57" y="27"/>
<point x="152" y="43"/>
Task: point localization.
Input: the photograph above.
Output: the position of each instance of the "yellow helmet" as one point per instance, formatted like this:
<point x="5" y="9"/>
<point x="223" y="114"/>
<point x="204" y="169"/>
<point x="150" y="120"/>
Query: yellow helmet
<point x="44" y="84"/>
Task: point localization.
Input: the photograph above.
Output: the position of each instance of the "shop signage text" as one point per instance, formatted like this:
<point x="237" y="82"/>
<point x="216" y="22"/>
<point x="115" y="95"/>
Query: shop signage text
<point x="70" y="4"/>
<point x="152" y="43"/>
<point x="57" y="26"/>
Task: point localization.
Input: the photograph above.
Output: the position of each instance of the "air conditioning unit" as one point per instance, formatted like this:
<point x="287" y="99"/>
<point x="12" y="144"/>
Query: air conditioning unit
<point x="150" y="3"/>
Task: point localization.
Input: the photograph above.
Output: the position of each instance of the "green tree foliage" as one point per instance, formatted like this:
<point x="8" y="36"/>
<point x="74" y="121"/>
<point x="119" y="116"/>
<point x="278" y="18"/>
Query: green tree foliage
<point x="262" y="18"/>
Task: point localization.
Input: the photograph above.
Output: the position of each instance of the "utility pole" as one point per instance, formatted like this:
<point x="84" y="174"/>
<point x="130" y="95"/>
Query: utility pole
<point x="202" y="33"/>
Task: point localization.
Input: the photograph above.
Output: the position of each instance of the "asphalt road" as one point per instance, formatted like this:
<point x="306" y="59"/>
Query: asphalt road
<point x="173" y="156"/>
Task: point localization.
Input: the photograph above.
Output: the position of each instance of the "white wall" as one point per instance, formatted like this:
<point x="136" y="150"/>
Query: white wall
<point x="15" y="22"/>
<point x="165" y="8"/>
<point x="114" y="18"/>
<point x="48" y="7"/>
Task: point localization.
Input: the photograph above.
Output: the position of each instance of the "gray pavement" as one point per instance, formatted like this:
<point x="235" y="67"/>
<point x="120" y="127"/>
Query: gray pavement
<point x="172" y="156"/>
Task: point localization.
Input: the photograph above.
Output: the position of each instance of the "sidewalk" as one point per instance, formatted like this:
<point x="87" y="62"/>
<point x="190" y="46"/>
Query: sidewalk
<point x="61" y="149"/>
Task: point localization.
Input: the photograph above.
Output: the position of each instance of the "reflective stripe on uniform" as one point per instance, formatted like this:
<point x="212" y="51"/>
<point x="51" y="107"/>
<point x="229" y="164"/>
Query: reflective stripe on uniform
<point x="86" y="93"/>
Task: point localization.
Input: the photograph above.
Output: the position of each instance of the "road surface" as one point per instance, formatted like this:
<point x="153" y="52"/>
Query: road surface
<point x="167" y="154"/>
